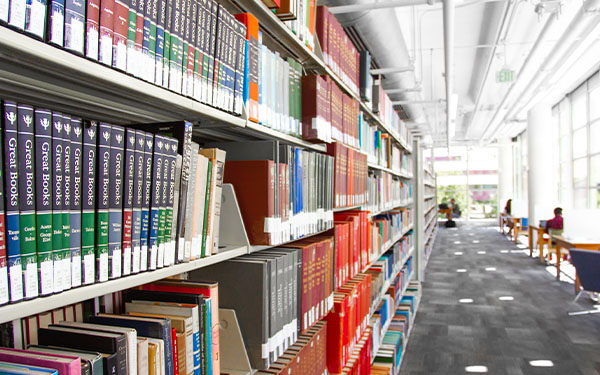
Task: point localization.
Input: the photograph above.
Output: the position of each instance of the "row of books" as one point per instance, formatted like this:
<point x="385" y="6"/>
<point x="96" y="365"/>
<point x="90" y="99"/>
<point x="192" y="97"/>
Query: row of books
<point x="388" y="355"/>
<point x="387" y="228"/>
<point x="383" y="107"/>
<point x="172" y="329"/>
<point x="382" y="150"/>
<point x="305" y="356"/>
<point x="428" y="191"/>
<point x="284" y="192"/>
<point x="277" y="294"/>
<point x="386" y="191"/>
<point x="351" y="172"/>
<point x="338" y="50"/>
<point x="400" y="160"/>
<point x="299" y="17"/>
<point x="352" y="233"/>
<point x="360" y="360"/>
<point x="348" y="321"/>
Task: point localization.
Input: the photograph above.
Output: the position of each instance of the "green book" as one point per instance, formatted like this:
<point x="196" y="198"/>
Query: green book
<point x="67" y="194"/>
<point x="206" y="208"/>
<point x="57" y="202"/>
<point x="162" y="260"/>
<point x="45" y="192"/>
<point x="88" y="204"/>
<point x="132" y="61"/>
<point x="102" y="205"/>
<point x="26" y="160"/>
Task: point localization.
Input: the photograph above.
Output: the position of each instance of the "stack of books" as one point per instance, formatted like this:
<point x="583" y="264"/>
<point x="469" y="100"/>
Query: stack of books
<point x="351" y="169"/>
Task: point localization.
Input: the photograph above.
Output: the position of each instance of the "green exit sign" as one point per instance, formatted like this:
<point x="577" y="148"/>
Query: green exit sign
<point x="505" y="75"/>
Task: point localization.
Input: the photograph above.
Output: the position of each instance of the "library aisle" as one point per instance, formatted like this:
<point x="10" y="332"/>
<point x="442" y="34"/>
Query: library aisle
<point x="518" y="312"/>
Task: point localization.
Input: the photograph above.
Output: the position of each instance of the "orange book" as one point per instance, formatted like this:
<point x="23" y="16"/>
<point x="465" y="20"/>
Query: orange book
<point x="252" y="69"/>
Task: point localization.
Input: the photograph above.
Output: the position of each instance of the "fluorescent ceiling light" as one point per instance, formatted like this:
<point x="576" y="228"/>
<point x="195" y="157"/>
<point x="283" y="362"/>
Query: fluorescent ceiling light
<point x="465" y="300"/>
<point x="541" y="363"/>
<point x="461" y="270"/>
<point x="476" y="369"/>
<point x="458" y="253"/>
<point x="490" y="269"/>
<point x="506" y="298"/>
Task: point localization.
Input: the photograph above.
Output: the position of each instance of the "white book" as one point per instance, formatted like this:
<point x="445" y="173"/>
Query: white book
<point x="142" y="356"/>
<point x="199" y="205"/>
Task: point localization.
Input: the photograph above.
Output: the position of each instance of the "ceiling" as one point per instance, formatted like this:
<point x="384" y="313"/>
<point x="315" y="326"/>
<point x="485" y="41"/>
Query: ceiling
<point x="489" y="36"/>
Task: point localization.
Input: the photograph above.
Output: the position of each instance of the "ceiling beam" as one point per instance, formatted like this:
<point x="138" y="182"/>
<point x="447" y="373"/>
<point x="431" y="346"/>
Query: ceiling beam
<point x="403" y="102"/>
<point x="398" y="69"/>
<point x="402" y="91"/>
<point x="379" y="5"/>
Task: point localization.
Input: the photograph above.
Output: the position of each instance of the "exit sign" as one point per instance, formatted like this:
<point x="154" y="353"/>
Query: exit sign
<point x="505" y="75"/>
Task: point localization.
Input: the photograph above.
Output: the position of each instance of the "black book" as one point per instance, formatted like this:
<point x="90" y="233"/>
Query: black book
<point x="128" y="193"/>
<point x="366" y="79"/>
<point x="74" y="25"/>
<point x="212" y="49"/>
<point x="82" y="339"/>
<point x="146" y="197"/>
<point x="66" y="210"/>
<point x="103" y="199"/>
<point x="77" y="159"/>
<point x="58" y="251"/>
<point x="45" y="191"/>
<point x="88" y="203"/>
<point x="26" y="162"/>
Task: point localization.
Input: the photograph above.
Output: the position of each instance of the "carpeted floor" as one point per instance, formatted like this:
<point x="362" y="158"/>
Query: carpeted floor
<point x="502" y="335"/>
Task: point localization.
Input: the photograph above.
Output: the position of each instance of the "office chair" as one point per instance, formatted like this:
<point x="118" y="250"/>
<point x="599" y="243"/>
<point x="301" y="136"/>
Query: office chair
<point x="587" y="266"/>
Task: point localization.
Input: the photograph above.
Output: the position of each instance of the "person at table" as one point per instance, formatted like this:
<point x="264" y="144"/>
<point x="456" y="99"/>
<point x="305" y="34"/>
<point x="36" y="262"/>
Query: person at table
<point x="507" y="212"/>
<point x="455" y="208"/>
<point x="556" y="223"/>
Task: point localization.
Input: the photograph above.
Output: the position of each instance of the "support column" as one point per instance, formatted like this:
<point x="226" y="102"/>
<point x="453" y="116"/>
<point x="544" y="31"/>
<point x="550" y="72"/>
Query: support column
<point x="419" y="215"/>
<point x="539" y="169"/>
<point x="505" y="172"/>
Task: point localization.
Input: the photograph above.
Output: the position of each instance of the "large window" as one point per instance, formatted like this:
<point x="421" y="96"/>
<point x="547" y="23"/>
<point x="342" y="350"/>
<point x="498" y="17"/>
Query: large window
<point x="577" y="123"/>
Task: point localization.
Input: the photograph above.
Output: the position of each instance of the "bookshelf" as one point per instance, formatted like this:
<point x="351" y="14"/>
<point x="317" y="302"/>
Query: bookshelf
<point x="32" y="71"/>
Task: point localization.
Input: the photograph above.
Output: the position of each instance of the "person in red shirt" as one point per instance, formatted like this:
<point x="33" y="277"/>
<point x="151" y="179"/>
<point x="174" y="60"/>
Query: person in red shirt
<point x="557" y="220"/>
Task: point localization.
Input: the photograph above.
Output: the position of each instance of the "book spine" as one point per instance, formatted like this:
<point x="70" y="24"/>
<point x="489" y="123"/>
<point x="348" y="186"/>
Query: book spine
<point x="199" y="35"/>
<point x="107" y="25"/>
<point x="174" y="47"/>
<point x="191" y="51"/>
<point x="172" y="167"/>
<point x="57" y="202"/>
<point x="56" y="22"/>
<point x="128" y="194"/>
<point x="102" y="210"/>
<point x="11" y="186"/>
<point x="76" y="195"/>
<point x="161" y="15"/>
<point x="147" y="196"/>
<point x="152" y="43"/>
<point x="212" y="50"/>
<point x="156" y="178"/>
<point x="183" y="192"/>
<point x="15" y="14"/>
<point x="92" y="29"/>
<point x="88" y="203"/>
<point x="66" y="208"/>
<point x="35" y="18"/>
<point x="162" y="216"/>
<point x="167" y="43"/>
<point x="139" y="40"/>
<point x="203" y="42"/>
<point x="182" y="48"/>
<point x="120" y="34"/>
<point x="132" y="19"/>
<point x="4" y="286"/>
<point x="26" y="161"/>
<point x="138" y="187"/>
<point x="205" y="225"/>
<point x="146" y="62"/>
<point x="115" y="212"/>
<point x="185" y="29"/>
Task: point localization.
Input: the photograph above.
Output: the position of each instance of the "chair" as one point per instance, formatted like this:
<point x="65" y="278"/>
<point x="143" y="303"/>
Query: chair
<point x="552" y="243"/>
<point x="587" y="266"/>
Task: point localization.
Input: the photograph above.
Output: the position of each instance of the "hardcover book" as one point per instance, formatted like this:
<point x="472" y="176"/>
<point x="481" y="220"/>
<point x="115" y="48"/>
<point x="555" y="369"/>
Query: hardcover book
<point x="76" y="195"/>
<point x="128" y="194"/>
<point x="146" y="198"/>
<point x="63" y="364"/>
<point x="155" y="200"/>
<point x="56" y="21"/>
<point x="92" y="29"/>
<point x="35" y="18"/>
<point x="4" y="286"/>
<point x="120" y="34"/>
<point x="115" y="215"/>
<point x="75" y="25"/>
<point x="88" y="203"/>
<point x="58" y="251"/>
<point x="106" y="36"/>
<point x="103" y="202"/>
<point x="66" y="208"/>
<point x="162" y="216"/>
<point x="26" y="161"/>
<point x="138" y="188"/>
<point x="217" y="158"/>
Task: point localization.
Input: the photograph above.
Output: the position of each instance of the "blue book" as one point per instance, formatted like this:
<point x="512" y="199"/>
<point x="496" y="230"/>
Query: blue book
<point x="11" y="187"/>
<point x="138" y="187"/>
<point x="146" y="197"/>
<point x="35" y="18"/>
<point x="155" y="202"/>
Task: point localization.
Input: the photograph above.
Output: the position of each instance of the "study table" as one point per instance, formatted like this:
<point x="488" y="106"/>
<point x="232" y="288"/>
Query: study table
<point x="540" y="231"/>
<point x="565" y="242"/>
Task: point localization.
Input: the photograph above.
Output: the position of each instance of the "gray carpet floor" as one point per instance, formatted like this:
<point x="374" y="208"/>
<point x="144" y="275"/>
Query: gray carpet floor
<point x="502" y="335"/>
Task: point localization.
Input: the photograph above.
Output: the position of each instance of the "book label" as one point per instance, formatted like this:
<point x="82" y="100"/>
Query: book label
<point x="16" y="282"/>
<point x="17" y="14"/>
<point x="3" y="285"/>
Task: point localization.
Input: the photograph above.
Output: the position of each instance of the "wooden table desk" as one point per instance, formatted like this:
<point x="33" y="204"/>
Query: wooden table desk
<point x="563" y="242"/>
<point x="516" y="227"/>
<point x="540" y="231"/>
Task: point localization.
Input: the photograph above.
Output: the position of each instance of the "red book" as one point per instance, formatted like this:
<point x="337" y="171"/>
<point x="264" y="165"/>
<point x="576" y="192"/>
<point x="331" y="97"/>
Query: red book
<point x="322" y="28"/>
<point x="254" y="184"/>
<point x="175" y="356"/>
<point x="92" y="24"/>
<point x="120" y="30"/>
<point x="253" y="74"/>
<point x="107" y="24"/>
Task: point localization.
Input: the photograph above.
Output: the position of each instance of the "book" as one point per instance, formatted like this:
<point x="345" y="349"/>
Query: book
<point x="35" y="18"/>
<point x="66" y="204"/>
<point x="55" y="33"/>
<point x="63" y="364"/>
<point x="106" y="31"/>
<point x="115" y="205"/>
<point x="156" y="356"/>
<point x="128" y="194"/>
<point x="57" y="203"/>
<point x="138" y="187"/>
<point x="75" y="26"/>
<point x="143" y="353"/>
<point x="172" y="145"/>
<point x="161" y="15"/>
<point x="14" y="368"/>
<point x="146" y="197"/>
<point x="155" y="201"/>
<point x="11" y="185"/>
<point x="103" y="201"/>
<point x="26" y="163"/>
<point x="133" y="66"/>
<point x="43" y="206"/>
<point x="4" y="285"/>
<point x="190" y="252"/>
<point x="217" y="158"/>
<point x="75" y="207"/>
<point x="163" y="256"/>
<point x="92" y="360"/>
<point x="197" y="215"/>
<point x="138" y="62"/>
<point x="92" y="29"/>
<point x="145" y="327"/>
<point x="120" y="34"/>
<point x="77" y="338"/>
<point x="88" y="203"/>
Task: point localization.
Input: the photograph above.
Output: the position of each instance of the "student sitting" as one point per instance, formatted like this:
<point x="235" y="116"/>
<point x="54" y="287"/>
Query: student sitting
<point x="556" y="222"/>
